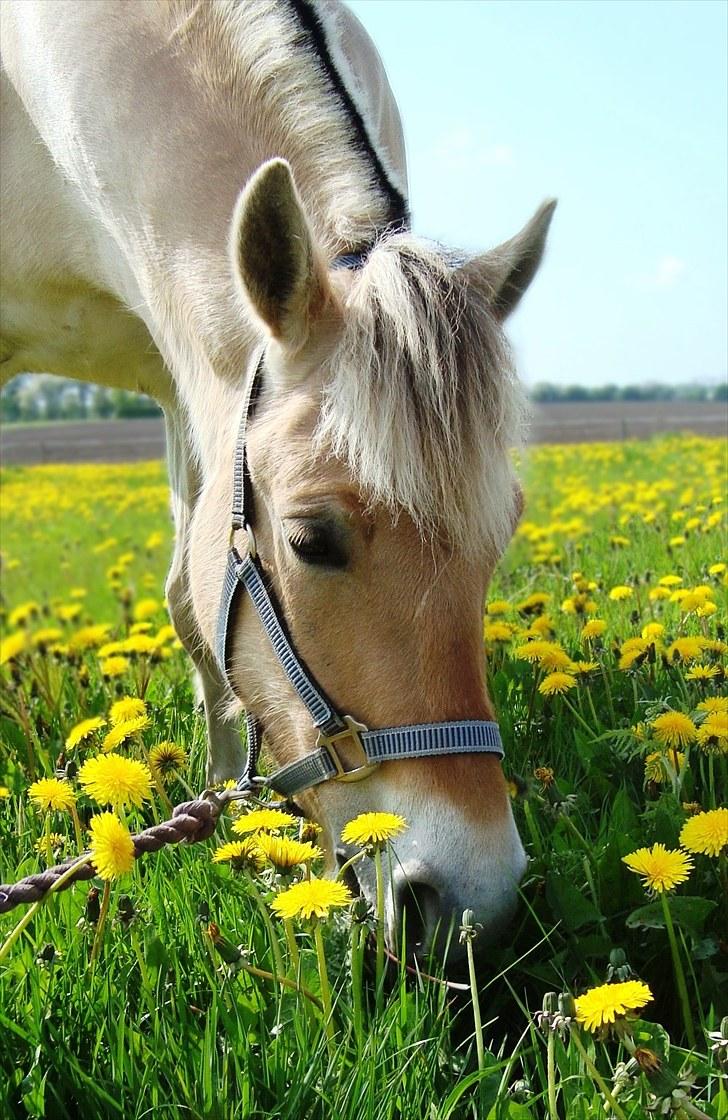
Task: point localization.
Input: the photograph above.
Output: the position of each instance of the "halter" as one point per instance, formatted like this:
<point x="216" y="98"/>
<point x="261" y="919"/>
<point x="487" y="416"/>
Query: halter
<point x="346" y="750"/>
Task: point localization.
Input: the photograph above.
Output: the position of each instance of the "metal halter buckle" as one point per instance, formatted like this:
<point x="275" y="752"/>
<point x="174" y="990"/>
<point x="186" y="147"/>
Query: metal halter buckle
<point x="252" y="544"/>
<point x="352" y="734"/>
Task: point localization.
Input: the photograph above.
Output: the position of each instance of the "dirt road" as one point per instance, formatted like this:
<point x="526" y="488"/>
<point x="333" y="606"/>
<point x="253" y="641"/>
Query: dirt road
<point x="119" y="441"/>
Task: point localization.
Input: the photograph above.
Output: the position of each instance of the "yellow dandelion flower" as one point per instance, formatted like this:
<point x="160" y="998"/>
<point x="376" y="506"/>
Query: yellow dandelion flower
<point x="284" y="853"/>
<point x="541" y="627"/>
<point x="674" y="729"/>
<point x="601" y="1007"/>
<point x="659" y="767"/>
<point x="534" y="604"/>
<point x="123" y="731"/>
<point x="594" y="628"/>
<point x="67" y="612"/>
<point x="498" y="632"/>
<point x="112" y="667"/>
<point x="702" y="673"/>
<point x="111" y="649"/>
<point x="263" y="820"/>
<point x="498" y="606"/>
<point x="714" y="704"/>
<point x="706" y="610"/>
<point x="140" y="644"/>
<point x="114" y="780"/>
<point x="77" y="593"/>
<point x="620" y="592"/>
<point x="12" y="646"/>
<point x="84" y="730"/>
<point x="716" y="569"/>
<point x="51" y="793"/>
<point x="658" y="593"/>
<point x="313" y="898"/>
<point x="706" y="833"/>
<point x="129" y="707"/>
<point x="165" y="634"/>
<point x="373" y="829"/>
<point x="556" y="683"/>
<point x="583" y="668"/>
<point x="112" y="848"/>
<point x="45" y="637"/>
<point x="146" y="608"/>
<point x="549" y="655"/>
<point x="242" y="855"/>
<point x="21" y="614"/>
<point x="652" y="631"/>
<point x="632" y="651"/>
<point x="141" y="628"/>
<point x="713" y="732"/>
<point x="661" y="868"/>
<point x="676" y="542"/>
<point x="4" y="792"/>
<point x="167" y="757"/>
<point x="686" y="649"/>
<point x="88" y="637"/>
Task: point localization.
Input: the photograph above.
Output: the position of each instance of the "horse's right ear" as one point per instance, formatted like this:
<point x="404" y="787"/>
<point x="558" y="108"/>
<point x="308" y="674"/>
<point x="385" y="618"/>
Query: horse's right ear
<point x="274" y="255"/>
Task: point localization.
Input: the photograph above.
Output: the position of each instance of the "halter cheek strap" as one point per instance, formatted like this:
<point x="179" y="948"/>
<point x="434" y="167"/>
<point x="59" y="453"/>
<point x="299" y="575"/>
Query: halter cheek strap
<point x="346" y="750"/>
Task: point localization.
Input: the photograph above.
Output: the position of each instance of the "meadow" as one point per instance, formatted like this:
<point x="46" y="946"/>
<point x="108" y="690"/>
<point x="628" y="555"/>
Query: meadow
<point x="189" y="984"/>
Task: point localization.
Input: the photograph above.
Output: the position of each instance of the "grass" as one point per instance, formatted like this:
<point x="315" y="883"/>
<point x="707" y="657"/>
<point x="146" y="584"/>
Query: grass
<point x="171" y="1021"/>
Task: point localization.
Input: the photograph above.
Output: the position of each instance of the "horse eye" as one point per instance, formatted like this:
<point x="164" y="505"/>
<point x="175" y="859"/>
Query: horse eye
<point x="318" y="545"/>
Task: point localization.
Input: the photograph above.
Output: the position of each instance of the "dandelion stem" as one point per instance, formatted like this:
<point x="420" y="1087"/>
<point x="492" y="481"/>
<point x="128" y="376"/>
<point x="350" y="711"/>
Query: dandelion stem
<point x="100" y="925"/>
<point x="345" y="866"/>
<point x="292" y="946"/>
<point x="596" y="1076"/>
<point x="274" y="946"/>
<point x="682" y="987"/>
<point x="77" y="827"/>
<point x="575" y="712"/>
<point x="380" y="925"/>
<point x="478" y="1023"/>
<point x="357" y="974"/>
<point x="325" y="988"/>
<point x="551" y="1074"/>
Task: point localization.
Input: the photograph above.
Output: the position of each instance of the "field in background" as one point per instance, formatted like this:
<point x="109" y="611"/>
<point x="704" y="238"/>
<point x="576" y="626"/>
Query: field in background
<point x="120" y="441"/>
<point x="616" y="581"/>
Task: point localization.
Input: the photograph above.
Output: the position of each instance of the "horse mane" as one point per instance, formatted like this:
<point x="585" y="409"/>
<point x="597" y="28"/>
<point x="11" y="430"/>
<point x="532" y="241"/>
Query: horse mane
<point x="280" y="65"/>
<point x="421" y="399"/>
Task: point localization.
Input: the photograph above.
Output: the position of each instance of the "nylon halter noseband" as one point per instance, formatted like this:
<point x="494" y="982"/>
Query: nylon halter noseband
<point x="346" y="750"/>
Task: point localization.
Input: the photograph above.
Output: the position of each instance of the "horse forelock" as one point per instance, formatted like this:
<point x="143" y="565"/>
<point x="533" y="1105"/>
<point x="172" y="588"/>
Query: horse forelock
<point x="420" y="398"/>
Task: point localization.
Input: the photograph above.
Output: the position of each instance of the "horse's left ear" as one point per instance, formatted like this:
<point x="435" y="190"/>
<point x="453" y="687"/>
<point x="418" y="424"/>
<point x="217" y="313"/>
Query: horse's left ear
<point x="274" y="255"/>
<point x="511" y="267"/>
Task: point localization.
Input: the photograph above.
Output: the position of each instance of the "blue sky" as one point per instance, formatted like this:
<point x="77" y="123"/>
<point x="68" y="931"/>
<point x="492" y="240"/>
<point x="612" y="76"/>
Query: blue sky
<point x="617" y="108"/>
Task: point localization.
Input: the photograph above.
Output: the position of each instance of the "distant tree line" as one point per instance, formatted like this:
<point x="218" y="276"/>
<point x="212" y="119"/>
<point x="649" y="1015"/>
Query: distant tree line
<point x="547" y="392"/>
<point x="42" y="397"/>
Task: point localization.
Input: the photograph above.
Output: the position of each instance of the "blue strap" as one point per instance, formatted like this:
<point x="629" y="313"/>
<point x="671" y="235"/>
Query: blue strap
<point x="423" y="740"/>
<point x="246" y="573"/>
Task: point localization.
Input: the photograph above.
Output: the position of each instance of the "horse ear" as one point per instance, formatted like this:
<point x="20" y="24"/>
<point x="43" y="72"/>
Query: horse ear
<point x="274" y="255"/>
<point x="511" y="267"/>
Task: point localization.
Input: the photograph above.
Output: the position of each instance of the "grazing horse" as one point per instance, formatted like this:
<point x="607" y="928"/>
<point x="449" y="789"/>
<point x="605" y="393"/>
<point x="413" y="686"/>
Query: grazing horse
<point x="200" y="191"/>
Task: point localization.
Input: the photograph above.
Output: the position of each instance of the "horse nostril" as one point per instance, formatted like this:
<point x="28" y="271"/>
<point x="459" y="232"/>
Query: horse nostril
<point x="417" y="914"/>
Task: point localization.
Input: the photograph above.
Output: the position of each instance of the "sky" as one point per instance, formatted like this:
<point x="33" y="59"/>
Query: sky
<point x="618" y="108"/>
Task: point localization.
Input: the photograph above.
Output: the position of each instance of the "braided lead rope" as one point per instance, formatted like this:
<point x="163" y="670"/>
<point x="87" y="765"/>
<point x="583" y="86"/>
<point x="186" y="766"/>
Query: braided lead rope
<point x="192" y="821"/>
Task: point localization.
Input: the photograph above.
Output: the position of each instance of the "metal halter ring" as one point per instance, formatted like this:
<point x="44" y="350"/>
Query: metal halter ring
<point x="352" y="733"/>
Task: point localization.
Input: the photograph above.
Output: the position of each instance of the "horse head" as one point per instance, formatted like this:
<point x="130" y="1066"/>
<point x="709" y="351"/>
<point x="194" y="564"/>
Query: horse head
<point x="379" y="457"/>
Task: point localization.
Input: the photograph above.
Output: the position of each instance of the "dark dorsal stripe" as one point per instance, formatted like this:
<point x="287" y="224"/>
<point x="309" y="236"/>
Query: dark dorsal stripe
<point x="314" y="35"/>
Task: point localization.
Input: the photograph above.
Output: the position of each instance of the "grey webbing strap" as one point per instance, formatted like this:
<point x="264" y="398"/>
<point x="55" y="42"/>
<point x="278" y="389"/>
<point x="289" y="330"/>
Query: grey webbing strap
<point x="424" y="740"/>
<point x="242" y="494"/>
<point x="246" y="573"/>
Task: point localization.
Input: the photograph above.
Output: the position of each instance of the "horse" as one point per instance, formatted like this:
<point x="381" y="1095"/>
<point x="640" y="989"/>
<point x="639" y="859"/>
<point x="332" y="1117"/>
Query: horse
<point x="200" y="193"/>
